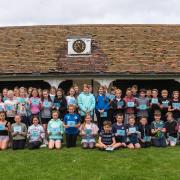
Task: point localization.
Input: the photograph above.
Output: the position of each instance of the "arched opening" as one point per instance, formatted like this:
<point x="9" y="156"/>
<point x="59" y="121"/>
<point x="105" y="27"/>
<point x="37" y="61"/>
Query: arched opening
<point x="65" y="85"/>
<point x="170" y="85"/>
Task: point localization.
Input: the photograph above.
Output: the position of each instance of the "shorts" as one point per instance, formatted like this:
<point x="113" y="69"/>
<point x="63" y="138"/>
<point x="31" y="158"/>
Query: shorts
<point x="88" y="140"/>
<point x="45" y="120"/>
<point x="4" y="138"/>
<point x="55" y="140"/>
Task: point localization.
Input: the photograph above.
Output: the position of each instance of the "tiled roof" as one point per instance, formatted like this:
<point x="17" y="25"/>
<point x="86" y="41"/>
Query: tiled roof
<point x="115" y="49"/>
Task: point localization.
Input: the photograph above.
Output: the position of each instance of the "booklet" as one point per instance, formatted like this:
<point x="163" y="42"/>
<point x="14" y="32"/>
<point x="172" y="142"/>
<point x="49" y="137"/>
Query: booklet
<point x="71" y="123"/>
<point x="132" y="130"/>
<point x="2" y="127"/>
<point x="130" y="104"/>
<point x="17" y="129"/>
<point x="121" y="132"/>
<point x="154" y="101"/>
<point x="143" y="107"/>
<point x="103" y="114"/>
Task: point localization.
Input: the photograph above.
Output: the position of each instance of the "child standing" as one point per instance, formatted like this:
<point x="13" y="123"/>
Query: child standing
<point x="130" y="105"/>
<point x="35" y="103"/>
<point x="10" y="107"/>
<point x="142" y="104"/>
<point x="158" y="131"/>
<point x="46" y="108"/>
<point x="171" y="129"/>
<point x="60" y="103"/>
<point x="55" y="131"/>
<point x="2" y="108"/>
<point x="175" y="106"/>
<point x="23" y="107"/>
<point x="88" y="132"/>
<point x="145" y="130"/>
<point x="35" y="134"/>
<point x="102" y="107"/>
<point x="107" y="138"/>
<point x="165" y="104"/>
<point x="118" y="104"/>
<point x="71" y="124"/>
<point x="86" y="102"/>
<point x="119" y="130"/>
<point x="18" y="132"/>
<point x="132" y="134"/>
<point x="4" y="131"/>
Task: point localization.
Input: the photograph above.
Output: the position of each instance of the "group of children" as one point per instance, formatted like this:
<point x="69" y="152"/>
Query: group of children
<point x="37" y="118"/>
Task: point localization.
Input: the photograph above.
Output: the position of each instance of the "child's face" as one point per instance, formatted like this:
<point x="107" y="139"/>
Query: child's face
<point x="71" y="110"/>
<point x="2" y="116"/>
<point x="76" y="88"/>
<point x="16" y="92"/>
<point x="154" y="93"/>
<point x="107" y="128"/>
<point x="35" y="121"/>
<point x="53" y="91"/>
<point x="45" y="94"/>
<point x="157" y="117"/>
<point x="85" y="90"/>
<point x="164" y="94"/>
<point x="118" y="94"/>
<point x="10" y="95"/>
<point x="59" y="93"/>
<point x="55" y="115"/>
<point x="5" y="93"/>
<point x="134" y="90"/>
<point x="143" y="121"/>
<point x="17" y="119"/>
<point x="170" y="117"/>
<point x="131" y="121"/>
<point x="176" y="95"/>
<point x="72" y="92"/>
<point x="142" y="94"/>
<point x="34" y="93"/>
<point x="119" y="119"/>
<point x="22" y="93"/>
<point x="101" y="90"/>
<point x="128" y="93"/>
<point x="88" y="119"/>
<point x="148" y="93"/>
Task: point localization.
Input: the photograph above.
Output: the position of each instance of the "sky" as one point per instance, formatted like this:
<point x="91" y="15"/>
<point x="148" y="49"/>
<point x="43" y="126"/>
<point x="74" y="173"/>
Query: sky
<point x="48" y="12"/>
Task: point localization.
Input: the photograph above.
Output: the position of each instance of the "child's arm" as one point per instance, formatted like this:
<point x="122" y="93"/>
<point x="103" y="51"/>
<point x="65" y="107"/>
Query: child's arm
<point x="100" y="143"/>
<point x="114" y="141"/>
<point x="24" y="132"/>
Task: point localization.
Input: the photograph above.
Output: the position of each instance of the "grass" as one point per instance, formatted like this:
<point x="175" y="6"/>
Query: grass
<point x="76" y="163"/>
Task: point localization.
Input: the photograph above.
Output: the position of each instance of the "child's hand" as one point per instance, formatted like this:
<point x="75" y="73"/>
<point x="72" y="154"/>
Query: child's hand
<point x="66" y="126"/>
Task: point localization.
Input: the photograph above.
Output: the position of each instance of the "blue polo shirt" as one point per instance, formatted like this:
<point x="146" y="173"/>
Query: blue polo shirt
<point x="71" y="120"/>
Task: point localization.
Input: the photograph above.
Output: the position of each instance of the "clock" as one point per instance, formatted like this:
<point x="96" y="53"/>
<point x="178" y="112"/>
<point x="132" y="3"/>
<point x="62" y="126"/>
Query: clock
<point x="79" y="46"/>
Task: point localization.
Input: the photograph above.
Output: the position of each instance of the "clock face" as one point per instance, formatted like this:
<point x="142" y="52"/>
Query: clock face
<point x="79" y="46"/>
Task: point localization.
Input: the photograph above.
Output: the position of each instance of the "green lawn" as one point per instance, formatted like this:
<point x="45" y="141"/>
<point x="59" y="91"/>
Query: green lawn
<point x="76" y="163"/>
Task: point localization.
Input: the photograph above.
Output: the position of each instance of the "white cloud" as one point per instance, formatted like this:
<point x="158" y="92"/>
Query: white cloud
<point x="33" y="12"/>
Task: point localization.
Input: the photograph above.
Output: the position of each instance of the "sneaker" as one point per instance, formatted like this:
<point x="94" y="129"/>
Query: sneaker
<point x="43" y="146"/>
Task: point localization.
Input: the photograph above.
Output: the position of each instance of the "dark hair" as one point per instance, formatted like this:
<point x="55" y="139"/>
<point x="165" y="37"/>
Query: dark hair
<point x="142" y="90"/>
<point x="119" y="114"/>
<point x="107" y="123"/>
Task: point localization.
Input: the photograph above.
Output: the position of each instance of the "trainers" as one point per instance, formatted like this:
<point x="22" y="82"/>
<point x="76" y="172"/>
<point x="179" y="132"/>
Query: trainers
<point x="43" y="146"/>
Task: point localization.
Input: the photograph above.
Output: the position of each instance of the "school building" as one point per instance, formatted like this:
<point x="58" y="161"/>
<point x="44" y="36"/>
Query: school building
<point x="63" y="55"/>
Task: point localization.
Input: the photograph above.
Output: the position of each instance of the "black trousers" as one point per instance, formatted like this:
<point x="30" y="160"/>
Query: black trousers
<point x="18" y="144"/>
<point x="71" y="140"/>
<point x="100" y="120"/>
<point x="34" y="145"/>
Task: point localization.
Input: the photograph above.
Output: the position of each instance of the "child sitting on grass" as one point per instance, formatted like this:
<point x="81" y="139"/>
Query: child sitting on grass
<point x="35" y="134"/>
<point x="71" y="124"/>
<point x="145" y="130"/>
<point x="88" y="132"/>
<point x="158" y="131"/>
<point x="132" y="134"/>
<point x="18" y="132"/>
<point x="55" y="131"/>
<point x="119" y="129"/>
<point x="171" y="129"/>
<point x="106" y="138"/>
